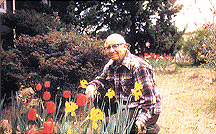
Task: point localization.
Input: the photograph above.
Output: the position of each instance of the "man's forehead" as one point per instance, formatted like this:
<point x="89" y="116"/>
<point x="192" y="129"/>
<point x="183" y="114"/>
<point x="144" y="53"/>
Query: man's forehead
<point x="112" y="42"/>
<point x="115" y="39"/>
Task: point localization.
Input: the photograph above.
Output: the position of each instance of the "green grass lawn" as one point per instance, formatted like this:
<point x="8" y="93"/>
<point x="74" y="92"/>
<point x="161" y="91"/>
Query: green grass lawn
<point x="189" y="101"/>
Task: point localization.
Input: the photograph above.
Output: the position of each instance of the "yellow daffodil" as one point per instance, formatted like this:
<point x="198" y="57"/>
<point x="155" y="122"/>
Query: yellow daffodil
<point x="94" y="125"/>
<point x="136" y="91"/>
<point x="68" y="132"/>
<point x="83" y="84"/>
<point x="71" y="107"/>
<point x="95" y="115"/>
<point x="110" y="93"/>
<point x="138" y="85"/>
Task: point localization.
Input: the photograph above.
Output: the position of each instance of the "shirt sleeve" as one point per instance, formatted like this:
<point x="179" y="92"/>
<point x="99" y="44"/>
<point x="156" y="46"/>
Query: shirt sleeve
<point x="150" y="98"/>
<point x="98" y="81"/>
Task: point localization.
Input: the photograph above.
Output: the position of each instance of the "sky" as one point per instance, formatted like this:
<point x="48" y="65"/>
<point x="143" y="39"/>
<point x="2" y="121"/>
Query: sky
<point x="194" y="14"/>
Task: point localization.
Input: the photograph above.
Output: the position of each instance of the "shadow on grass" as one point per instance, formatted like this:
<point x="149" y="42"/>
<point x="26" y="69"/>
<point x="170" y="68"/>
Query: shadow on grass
<point x="169" y="72"/>
<point x="187" y="64"/>
<point x="211" y="106"/>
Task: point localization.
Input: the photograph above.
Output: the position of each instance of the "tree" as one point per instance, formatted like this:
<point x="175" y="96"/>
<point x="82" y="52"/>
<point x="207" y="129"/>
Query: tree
<point x="31" y="18"/>
<point x="38" y="6"/>
<point x="28" y="22"/>
<point x="164" y="35"/>
<point x="201" y="46"/>
<point x="134" y="19"/>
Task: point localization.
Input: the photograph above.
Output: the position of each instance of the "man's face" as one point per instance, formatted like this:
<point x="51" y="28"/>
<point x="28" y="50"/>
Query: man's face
<point x="116" y="52"/>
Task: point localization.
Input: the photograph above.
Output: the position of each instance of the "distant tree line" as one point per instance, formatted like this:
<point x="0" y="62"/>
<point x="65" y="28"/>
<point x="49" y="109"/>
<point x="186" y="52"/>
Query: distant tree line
<point x="140" y="22"/>
<point x="63" y="43"/>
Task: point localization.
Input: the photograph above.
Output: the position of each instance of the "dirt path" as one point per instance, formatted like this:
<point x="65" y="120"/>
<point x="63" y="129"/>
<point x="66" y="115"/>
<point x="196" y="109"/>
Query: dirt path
<point x="189" y="102"/>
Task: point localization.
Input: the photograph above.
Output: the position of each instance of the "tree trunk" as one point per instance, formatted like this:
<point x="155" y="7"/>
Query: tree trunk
<point x="132" y="33"/>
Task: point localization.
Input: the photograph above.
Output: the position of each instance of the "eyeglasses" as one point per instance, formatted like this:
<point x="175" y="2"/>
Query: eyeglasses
<point x="114" y="46"/>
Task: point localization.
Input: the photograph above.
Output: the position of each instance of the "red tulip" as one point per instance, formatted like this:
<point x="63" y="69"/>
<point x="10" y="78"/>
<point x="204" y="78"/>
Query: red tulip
<point x="146" y="55"/>
<point x="66" y="94"/>
<point x="40" y="132"/>
<point x="48" y="126"/>
<point x="38" y="87"/>
<point x="157" y="56"/>
<point x="46" y="95"/>
<point x="81" y="99"/>
<point x="152" y="55"/>
<point x="32" y="114"/>
<point x="51" y="107"/>
<point x="47" y="84"/>
<point x="31" y="131"/>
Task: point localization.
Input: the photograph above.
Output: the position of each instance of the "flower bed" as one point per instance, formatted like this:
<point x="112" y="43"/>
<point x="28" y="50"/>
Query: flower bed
<point x="161" y="63"/>
<point x="76" y="115"/>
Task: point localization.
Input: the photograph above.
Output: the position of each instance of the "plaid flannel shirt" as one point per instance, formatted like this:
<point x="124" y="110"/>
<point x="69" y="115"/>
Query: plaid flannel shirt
<point x="133" y="69"/>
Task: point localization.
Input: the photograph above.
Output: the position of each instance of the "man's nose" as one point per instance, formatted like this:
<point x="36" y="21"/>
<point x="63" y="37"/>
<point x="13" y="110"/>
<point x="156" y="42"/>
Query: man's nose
<point x="112" y="49"/>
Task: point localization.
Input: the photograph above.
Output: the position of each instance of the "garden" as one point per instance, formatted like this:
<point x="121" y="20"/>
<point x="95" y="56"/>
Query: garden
<point x="45" y="73"/>
<point x="188" y="106"/>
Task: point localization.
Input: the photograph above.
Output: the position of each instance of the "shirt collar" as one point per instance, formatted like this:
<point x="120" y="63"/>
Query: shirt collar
<point x="127" y="59"/>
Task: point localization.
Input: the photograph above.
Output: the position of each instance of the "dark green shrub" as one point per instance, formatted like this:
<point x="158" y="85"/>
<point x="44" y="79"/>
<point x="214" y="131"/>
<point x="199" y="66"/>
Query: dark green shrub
<point x="63" y="58"/>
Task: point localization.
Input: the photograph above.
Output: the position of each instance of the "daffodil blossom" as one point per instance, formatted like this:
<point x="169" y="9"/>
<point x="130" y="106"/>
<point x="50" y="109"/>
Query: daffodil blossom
<point x="71" y="107"/>
<point x="136" y="91"/>
<point x="138" y="85"/>
<point x="110" y="93"/>
<point x="84" y="84"/>
<point x="95" y="115"/>
<point x="68" y="132"/>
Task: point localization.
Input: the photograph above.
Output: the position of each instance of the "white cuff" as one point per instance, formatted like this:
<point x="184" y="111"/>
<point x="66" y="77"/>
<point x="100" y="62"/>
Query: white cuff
<point x="90" y="90"/>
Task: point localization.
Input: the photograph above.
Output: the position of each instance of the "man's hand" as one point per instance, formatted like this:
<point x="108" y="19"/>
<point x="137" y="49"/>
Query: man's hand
<point x="139" y="124"/>
<point x="90" y="91"/>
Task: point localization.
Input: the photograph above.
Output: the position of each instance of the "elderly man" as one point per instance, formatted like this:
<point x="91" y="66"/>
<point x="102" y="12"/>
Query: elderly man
<point x="124" y="70"/>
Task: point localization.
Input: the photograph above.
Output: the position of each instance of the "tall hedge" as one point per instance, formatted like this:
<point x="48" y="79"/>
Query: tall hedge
<point x="62" y="57"/>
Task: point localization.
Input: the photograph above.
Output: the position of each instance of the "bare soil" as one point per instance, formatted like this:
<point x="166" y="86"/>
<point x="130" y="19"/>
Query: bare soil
<point x="188" y="100"/>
